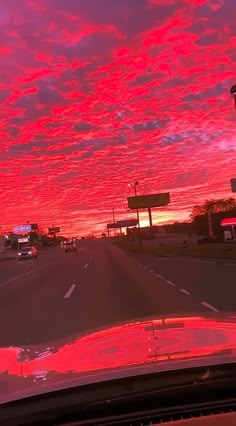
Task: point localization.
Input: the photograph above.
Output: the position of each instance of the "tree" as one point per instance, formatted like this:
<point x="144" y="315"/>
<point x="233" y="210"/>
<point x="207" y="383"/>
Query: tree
<point x="213" y="206"/>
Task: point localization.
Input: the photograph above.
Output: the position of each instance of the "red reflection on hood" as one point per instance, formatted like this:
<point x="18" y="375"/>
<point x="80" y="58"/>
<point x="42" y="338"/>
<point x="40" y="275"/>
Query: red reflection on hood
<point x="132" y="344"/>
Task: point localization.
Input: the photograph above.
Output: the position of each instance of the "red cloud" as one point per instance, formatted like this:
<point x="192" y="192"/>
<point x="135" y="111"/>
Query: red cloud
<point x="89" y="105"/>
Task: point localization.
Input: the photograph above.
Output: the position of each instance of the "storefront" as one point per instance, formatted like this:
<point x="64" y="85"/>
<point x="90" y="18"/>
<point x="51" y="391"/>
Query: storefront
<point x="229" y="228"/>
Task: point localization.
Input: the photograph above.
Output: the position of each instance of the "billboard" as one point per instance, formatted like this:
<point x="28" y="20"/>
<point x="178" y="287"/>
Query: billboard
<point x="123" y="224"/>
<point x="127" y="223"/>
<point x="233" y="184"/>
<point x="21" y="229"/>
<point x="112" y="226"/>
<point x="54" y="230"/>
<point x="148" y="201"/>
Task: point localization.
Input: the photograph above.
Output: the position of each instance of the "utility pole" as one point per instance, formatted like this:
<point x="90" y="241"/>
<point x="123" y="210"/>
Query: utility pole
<point x="134" y="186"/>
<point x="136" y="194"/>
<point x="114" y="220"/>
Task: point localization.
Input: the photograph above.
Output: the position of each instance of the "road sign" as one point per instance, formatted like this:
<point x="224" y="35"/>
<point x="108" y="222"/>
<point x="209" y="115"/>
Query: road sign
<point x="23" y="240"/>
<point x="233" y="184"/>
<point x="149" y="201"/>
<point x="22" y="228"/>
<point x="54" y="230"/>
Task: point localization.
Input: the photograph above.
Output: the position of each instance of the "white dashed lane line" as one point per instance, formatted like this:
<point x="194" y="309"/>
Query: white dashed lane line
<point x="85" y="266"/>
<point x="161" y="277"/>
<point x="207" y="305"/>
<point x="171" y="283"/>
<point x="70" y="291"/>
<point x="184" y="291"/>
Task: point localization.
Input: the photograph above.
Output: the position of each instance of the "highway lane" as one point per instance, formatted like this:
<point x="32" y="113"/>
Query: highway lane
<point x="95" y="287"/>
<point x="207" y="280"/>
<point x="12" y="267"/>
<point x="31" y="302"/>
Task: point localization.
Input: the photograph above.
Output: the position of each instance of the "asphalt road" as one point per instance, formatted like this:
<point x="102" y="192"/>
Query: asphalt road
<point x="210" y="281"/>
<point x="62" y="294"/>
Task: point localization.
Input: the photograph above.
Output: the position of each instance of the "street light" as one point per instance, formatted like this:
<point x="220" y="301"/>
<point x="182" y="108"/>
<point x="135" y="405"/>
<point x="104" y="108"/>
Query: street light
<point x="134" y="186"/>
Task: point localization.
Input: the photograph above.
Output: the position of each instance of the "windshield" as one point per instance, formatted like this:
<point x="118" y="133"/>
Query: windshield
<point x="117" y="138"/>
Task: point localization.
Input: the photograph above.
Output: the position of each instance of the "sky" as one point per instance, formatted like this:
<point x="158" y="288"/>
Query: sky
<point x="98" y="93"/>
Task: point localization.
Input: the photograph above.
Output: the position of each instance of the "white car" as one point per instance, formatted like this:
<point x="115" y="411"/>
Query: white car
<point x="70" y="246"/>
<point x="27" y="253"/>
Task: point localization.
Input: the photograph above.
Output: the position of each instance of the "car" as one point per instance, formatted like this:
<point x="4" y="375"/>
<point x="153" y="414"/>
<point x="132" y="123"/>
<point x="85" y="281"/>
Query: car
<point x="29" y="252"/>
<point x="70" y="247"/>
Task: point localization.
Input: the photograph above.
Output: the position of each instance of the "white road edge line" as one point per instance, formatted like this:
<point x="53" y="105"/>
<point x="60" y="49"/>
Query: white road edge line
<point x="69" y="292"/>
<point x="86" y="265"/>
<point x="170" y="282"/>
<point x="184" y="291"/>
<point x="207" y="305"/>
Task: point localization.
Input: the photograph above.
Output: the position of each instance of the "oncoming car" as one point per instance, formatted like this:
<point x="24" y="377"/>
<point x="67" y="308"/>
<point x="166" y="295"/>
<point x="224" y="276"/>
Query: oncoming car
<point x="27" y="253"/>
<point x="70" y="246"/>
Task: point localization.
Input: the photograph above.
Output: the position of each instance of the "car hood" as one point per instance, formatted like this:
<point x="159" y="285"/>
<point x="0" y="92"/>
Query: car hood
<point x="159" y="344"/>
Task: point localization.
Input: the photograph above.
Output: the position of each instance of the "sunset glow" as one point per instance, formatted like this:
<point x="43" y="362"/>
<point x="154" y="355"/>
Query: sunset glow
<point x="99" y="93"/>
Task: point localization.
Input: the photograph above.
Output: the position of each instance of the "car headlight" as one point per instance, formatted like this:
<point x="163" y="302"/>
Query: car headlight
<point x="30" y="252"/>
<point x="19" y="254"/>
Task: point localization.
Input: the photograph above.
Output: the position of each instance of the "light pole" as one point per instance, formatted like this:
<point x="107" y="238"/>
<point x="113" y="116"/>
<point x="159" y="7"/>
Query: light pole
<point x="134" y="186"/>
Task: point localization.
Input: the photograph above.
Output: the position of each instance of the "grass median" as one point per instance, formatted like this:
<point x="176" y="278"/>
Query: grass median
<point x="215" y="251"/>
